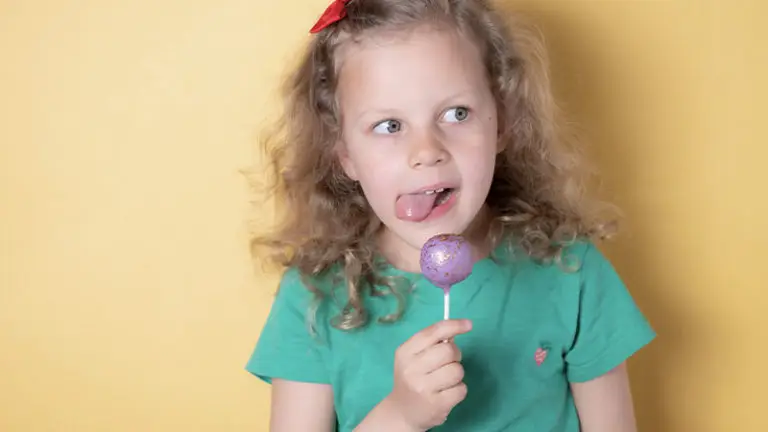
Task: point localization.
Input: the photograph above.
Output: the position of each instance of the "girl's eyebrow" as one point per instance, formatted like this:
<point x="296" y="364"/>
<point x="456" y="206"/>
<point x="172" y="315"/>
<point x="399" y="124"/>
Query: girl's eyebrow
<point x="376" y="112"/>
<point x="461" y="94"/>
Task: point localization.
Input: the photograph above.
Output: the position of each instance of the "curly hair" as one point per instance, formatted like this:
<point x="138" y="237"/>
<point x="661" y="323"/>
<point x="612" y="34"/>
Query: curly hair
<point x="326" y="226"/>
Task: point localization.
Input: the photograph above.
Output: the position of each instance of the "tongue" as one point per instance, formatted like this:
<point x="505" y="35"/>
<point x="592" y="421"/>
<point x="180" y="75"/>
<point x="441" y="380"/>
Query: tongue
<point x="415" y="207"/>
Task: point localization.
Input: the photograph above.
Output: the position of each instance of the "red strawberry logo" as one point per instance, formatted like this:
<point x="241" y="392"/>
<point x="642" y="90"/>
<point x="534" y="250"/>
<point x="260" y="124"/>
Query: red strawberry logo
<point x="540" y="356"/>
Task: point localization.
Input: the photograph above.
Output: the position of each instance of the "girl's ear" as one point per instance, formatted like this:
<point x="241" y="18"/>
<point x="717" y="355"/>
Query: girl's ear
<point x="501" y="138"/>
<point x="501" y="144"/>
<point x="346" y="162"/>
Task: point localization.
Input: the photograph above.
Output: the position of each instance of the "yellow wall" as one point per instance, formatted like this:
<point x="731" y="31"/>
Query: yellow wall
<point x="127" y="300"/>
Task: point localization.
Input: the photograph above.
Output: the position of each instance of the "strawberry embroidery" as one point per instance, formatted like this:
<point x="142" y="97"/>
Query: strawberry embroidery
<point x="540" y="356"/>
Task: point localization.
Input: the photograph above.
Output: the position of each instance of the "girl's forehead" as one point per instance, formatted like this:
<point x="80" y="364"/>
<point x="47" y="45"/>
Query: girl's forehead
<point x="422" y="47"/>
<point x="417" y="72"/>
<point x="396" y="40"/>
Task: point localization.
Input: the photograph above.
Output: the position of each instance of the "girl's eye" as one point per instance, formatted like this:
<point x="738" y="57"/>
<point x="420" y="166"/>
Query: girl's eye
<point x="456" y="115"/>
<point x="388" y="127"/>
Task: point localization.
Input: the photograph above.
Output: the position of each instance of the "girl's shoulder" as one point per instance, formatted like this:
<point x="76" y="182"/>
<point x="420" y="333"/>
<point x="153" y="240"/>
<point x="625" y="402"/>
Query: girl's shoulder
<point x="581" y="270"/>
<point x="322" y="293"/>
<point x="582" y="257"/>
<point x="296" y="282"/>
<point x="577" y="258"/>
<point x="587" y="260"/>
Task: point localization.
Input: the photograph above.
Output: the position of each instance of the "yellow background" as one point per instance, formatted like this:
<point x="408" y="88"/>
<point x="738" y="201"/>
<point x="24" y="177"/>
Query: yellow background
<point x="127" y="298"/>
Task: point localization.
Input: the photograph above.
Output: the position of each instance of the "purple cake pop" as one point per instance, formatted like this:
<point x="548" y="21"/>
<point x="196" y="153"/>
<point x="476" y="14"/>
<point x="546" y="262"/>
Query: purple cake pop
<point x="446" y="260"/>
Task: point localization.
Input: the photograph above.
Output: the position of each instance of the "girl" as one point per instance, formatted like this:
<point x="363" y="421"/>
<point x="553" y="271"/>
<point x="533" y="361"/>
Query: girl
<point x="406" y="119"/>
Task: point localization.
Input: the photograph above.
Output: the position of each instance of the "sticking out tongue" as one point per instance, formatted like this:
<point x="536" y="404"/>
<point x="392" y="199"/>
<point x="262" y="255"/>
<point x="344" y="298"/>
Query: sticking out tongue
<point x="415" y="207"/>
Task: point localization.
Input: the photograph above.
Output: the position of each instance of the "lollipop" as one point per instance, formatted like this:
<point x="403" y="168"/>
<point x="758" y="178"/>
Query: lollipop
<point x="445" y="261"/>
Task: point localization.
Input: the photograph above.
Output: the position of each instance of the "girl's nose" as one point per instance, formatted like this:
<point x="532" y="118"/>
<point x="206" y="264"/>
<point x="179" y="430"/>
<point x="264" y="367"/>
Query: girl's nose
<point x="427" y="151"/>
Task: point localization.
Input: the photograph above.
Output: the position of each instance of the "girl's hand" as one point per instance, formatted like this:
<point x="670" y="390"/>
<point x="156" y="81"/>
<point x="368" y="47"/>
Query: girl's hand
<point x="428" y="376"/>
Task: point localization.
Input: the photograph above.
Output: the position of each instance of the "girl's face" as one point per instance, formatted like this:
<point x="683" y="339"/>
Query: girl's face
<point x="419" y="133"/>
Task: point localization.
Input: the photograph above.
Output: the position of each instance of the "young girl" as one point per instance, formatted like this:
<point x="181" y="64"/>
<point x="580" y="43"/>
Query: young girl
<point x="407" y="119"/>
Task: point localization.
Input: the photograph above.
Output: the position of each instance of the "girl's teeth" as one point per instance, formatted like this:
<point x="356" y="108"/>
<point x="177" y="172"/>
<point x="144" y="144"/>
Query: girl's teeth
<point x="432" y="192"/>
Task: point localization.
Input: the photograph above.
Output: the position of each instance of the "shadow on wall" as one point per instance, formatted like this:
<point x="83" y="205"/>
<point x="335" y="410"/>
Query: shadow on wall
<point x="579" y="72"/>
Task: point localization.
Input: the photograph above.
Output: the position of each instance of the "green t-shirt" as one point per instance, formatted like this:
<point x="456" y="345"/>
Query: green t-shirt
<point x="536" y="328"/>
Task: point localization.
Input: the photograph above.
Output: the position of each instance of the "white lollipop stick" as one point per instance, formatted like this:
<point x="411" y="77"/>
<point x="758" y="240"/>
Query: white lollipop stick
<point x="446" y="305"/>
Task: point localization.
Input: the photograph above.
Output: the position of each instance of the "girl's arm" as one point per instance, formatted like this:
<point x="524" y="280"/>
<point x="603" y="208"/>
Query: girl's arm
<point x="604" y="404"/>
<point x="300" y="407"/>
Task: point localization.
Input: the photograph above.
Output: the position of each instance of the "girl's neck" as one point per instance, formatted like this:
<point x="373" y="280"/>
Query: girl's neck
<point x="405" y="257"/>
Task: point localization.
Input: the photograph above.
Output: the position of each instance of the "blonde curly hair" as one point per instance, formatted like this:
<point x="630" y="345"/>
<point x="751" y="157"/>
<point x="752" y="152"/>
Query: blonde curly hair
<point x="325" y="225"/>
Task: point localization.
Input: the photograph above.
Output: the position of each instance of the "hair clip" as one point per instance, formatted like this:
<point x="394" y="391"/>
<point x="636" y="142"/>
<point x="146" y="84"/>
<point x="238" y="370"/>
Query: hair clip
<point x="335" y="12"/>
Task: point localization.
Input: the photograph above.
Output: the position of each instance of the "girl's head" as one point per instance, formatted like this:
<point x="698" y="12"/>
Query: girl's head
<point x="410" y="118"/>
<point x="418" y="130"/>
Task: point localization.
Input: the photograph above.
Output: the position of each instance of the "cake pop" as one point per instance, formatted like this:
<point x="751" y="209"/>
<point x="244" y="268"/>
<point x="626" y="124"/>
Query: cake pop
<point x="446" y="259"/>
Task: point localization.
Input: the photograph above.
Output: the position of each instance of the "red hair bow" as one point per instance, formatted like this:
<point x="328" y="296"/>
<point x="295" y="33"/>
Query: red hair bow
<point x="335" y="12"/>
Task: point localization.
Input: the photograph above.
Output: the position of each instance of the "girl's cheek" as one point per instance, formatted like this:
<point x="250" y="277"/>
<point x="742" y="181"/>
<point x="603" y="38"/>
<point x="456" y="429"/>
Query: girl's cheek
<point x="468" y="137"/>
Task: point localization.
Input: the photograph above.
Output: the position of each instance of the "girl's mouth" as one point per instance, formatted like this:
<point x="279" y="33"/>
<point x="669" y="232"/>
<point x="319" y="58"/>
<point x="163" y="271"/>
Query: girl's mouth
<point x="443" y="195"/>
<point x="427" y="204"/>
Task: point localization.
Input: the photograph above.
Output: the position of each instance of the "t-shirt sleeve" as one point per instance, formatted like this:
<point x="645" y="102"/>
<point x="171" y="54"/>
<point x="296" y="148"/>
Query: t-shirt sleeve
<point x="286" y="348"/>
<point x="610" y="328"/>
